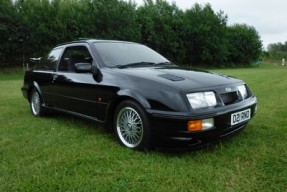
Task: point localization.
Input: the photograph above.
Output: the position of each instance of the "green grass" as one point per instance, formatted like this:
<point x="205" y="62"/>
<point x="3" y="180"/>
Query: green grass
<point x="61" y="153"/>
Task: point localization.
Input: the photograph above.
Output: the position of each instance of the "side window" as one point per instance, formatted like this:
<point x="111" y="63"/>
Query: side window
<point x="73" y="55"/>
<point x="50" y="62"/>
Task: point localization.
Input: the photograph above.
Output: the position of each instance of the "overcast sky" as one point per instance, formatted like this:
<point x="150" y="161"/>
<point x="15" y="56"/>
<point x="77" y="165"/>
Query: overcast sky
<point x="267" y="16"/>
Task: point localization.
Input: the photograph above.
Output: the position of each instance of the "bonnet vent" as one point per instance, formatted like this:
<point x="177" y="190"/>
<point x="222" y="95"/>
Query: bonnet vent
<point x="172" y="77"/>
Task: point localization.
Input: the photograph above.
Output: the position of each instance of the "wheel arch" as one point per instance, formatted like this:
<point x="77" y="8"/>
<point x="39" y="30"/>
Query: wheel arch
<point x="124" y="95"/>
<point x="31" y="87"/>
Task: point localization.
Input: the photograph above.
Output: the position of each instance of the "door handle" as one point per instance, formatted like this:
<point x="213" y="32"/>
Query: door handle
<point x="55" y="77"/>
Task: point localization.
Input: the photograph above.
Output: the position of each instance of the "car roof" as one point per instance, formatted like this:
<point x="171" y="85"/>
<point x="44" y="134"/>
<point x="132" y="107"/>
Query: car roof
<point x="84" y="40"/>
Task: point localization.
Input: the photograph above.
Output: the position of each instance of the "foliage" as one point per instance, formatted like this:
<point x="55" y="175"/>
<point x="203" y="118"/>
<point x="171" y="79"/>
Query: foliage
<point x="276" y="51"/>
<point x="11" y="31"/>
<point x="273" y="47"/>
<point x="197" y="36"/>
<point x="113" y="19"/>
<point x="38" y="20"/>
<point x="204" y="36"/>
<point x="245" y="46"/>
<point x="160" y="26"/>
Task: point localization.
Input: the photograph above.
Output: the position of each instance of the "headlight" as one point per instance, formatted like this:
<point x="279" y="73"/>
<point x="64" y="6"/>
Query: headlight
<point x="243" y="91"/>
<point x="201" y="99"/>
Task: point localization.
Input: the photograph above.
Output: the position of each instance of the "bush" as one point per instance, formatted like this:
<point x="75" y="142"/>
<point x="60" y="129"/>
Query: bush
<point x="197" y="36"/>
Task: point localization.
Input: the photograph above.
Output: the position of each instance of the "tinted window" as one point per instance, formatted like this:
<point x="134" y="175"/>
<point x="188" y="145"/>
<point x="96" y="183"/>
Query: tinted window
<point x="119" y="53"/>
<point x="73" y="55"/>
<point x="50" y="62"/>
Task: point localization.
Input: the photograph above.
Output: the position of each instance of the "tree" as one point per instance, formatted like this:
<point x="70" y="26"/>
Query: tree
<point x="244" y="43"/>
<point x="161" y="26"/>
<point x="114" y="19"/>
<point x="196" y="36"/>
<point x="273" y="47"/>
<point x="11" y="32"/>
<point x="38" y="18"/>
<point x="205" y="36"/>
<point x="276" y="51"/>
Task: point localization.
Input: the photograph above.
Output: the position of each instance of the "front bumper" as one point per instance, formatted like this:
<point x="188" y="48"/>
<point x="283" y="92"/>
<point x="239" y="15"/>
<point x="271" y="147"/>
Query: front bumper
<point x="170" y="128"/>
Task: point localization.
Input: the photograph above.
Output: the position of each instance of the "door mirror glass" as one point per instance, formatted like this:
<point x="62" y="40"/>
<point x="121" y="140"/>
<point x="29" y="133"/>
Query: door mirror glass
<point x="83" y="67"/>
<point x="36" y="60"/>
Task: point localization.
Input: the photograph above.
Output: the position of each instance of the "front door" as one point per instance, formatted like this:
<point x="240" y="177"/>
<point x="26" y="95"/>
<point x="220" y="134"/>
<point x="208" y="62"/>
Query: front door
<point x="75" y="92"/>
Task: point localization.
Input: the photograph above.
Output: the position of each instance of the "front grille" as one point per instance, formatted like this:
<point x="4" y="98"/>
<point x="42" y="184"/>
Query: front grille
<point x="229" y="98"/>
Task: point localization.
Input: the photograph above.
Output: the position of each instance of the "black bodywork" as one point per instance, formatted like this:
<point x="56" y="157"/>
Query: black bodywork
<point x="94" y="91"/>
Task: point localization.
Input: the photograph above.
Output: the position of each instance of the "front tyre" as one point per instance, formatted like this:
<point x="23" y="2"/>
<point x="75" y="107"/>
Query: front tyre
<point x="36" y="103"/>
<point x="131" y="126"/>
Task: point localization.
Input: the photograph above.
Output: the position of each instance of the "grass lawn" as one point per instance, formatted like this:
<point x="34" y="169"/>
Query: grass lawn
<point x="62" y="153"/>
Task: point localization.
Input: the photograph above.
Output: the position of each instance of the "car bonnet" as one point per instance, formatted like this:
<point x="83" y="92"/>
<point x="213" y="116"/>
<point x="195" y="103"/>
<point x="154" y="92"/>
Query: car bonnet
<point x="184" y="79"/>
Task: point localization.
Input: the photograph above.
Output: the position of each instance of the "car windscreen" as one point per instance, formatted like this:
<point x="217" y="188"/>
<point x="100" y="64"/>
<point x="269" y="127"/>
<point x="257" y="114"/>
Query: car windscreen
<point x="116" y="54"/>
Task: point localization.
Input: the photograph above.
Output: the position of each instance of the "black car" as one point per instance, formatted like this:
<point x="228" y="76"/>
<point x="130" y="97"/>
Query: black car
<point x="142" y="97"/>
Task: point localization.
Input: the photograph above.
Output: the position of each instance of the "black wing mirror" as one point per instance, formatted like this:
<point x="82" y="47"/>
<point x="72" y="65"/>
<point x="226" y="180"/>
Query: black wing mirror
<point x="87" y="67"/>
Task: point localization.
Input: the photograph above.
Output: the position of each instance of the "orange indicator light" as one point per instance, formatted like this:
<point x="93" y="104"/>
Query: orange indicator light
<point x="194" y="125"/>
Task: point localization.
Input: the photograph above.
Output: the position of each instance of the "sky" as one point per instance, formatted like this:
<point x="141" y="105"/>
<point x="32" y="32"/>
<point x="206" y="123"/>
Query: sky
<point x="268" y="17"/>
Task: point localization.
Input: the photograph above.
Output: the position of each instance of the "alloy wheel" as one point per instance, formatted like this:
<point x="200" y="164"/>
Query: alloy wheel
<point x="129" y="127"/>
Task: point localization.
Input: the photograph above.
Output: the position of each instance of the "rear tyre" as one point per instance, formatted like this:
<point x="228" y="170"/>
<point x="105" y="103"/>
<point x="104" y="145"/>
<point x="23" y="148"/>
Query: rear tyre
<point x="131" y="126"/>
<point x="36" y="103"/>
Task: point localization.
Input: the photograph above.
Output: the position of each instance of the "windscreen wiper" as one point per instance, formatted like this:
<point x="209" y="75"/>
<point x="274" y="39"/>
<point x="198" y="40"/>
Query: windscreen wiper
<point x="165" y="63"/>
<point x="137" y="64"/>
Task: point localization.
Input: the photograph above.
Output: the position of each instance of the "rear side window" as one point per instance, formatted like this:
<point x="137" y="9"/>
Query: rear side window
<point x="49" y="63"/>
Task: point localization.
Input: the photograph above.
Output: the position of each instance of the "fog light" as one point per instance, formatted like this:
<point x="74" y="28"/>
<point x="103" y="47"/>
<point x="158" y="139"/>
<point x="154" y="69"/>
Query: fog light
<point x="207" y="124"/>
<point x="199" y="125"/>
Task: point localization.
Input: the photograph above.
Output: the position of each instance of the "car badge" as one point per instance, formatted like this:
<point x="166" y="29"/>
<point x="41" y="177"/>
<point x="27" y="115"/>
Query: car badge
<point x="228" y="89"/>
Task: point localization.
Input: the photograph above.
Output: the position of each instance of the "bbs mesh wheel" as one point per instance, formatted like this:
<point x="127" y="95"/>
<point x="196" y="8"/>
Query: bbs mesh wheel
<point x="36" y="103"/>
<point x="131" y="126"/>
